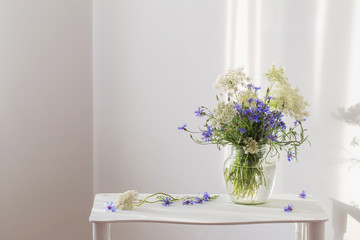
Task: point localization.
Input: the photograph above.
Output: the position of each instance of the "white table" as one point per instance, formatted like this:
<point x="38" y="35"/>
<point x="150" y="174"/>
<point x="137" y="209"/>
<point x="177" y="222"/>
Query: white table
<point x="307" y="215"/>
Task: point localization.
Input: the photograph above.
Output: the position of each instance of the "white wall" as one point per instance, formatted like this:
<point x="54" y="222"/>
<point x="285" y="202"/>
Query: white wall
<point x="45" y="119"/>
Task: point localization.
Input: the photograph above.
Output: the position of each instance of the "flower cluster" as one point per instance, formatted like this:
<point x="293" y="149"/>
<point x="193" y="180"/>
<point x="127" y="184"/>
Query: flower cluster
<point x="244" y="119"/>
<point x="129" y="200"/>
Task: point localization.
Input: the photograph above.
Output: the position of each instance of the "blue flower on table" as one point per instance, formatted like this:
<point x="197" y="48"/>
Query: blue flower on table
<point x="188" y="201"/>
<point x="167" y="201"/>
<point x="289" y="208"/>
<point x="198" y="200"/>
<point x="206" y="196"/>
<point x="303" y="194"/>
<point x="110" y="207"/>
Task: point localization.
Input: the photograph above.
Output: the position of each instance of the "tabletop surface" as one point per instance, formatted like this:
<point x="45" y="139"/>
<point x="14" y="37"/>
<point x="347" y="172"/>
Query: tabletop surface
<point x="220" y="211"/>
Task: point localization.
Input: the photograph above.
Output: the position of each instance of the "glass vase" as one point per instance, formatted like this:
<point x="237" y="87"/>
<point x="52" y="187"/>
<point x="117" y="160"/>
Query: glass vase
<point x="249" y="177"/>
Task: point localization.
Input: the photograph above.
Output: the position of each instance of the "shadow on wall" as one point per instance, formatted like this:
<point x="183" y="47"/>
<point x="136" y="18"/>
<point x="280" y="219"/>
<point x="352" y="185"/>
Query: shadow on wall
<point x="340" y="213"/>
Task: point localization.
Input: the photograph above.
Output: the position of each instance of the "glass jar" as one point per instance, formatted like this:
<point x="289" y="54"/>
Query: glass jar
<point x="249" y="178"/>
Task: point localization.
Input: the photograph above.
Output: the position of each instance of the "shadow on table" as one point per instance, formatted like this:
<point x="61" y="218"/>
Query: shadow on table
<point x="340" y="213"/>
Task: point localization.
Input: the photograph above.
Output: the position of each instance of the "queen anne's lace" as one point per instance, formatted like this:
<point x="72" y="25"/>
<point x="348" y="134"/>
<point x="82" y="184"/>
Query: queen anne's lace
<point x="224" y="113"/>
<point x="231" y="80"/>
<point x="127" y="200"/>
<point x="251" y="146"/>
<point x="289" y="101"/>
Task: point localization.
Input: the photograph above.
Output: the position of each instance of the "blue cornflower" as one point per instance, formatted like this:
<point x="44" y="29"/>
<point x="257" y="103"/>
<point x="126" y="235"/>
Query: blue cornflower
<point x="254" y="118"/>
<point x="271" y="137"/>
<point x="257" y="88"/>
<point x="249" y="86"/>
<point x="167" y="201"/>
<point x="259" y="103"/>
<point x="237" y="107"/>
<point x="182" y="128"/>
<point x="242" y="130"/>
<point x="297" y="121"/>
<point x="110" y="207"/>
<point x="200" y="112"/>
<point x="198" y="200"/>
<point x="289" y="208"/>
<point x="290" y="156"/>
<point x="250" y="100"/>
<point x="282" y="125"/>
<point x="206" y="196"/>
<point x="302" y="194"/>
<point x="247" y="111"/>
<point x="188" y="201"/>
<point x="207" y="134"/>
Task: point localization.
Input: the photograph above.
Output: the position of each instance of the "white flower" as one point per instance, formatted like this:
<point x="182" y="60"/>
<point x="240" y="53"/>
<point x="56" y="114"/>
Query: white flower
<point x="289" y="101"/>
<point x="127" y="200"/>
<point x="276" y="75"/>
<point x="231" y="80"/>
<point x="251" y="146"/>
<point x="244" y="96"/>
<point x="224" y="112"/>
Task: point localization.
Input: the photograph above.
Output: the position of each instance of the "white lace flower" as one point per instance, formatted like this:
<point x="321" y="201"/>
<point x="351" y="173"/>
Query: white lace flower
<point x="224" y="112"/>
<point x="127" y="200"/>
<point x="289" y="101"/>
<point x="231" y="80"/>
<point x="251" y="146"/>
<point x="276" y="75"/>
<point x="243" y="98"/>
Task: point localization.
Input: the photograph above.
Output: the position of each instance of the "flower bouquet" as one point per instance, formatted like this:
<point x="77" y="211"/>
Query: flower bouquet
<point x="253" y="125"/>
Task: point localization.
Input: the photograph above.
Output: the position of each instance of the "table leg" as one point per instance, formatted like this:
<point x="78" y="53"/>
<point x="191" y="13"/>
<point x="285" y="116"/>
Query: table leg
<point x="316" y="230"/>
<point x="101" y="231"/>
<point x="299" y="231"/>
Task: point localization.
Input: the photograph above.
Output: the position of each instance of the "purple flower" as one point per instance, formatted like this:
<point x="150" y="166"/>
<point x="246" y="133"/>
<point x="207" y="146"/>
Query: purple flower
<point x="207" y="134"/>
<point x="200" y="112"/>
<point x="297" y="121"/>
<point x="182" y="128"/>
<point x="257" y="88"/>
<point x="237" y="107"/>
<point x="198" y="200"/>
<point x="110" y="207"/>
<point x="289" y="208"/>
<point x="290" y="155"/>
<point x="271" y="137"/>
<point x="282" y="125"/>
<point x="254" y="117"/>
<point x="249" y="86"/>
<point x="302" y="194"/>
<point x="188" y="201"/>
<point x="167" y="201"/>
<point x="242" y="130"/>
<point x="206" y="196"/>
<point x="250" y="100"/>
